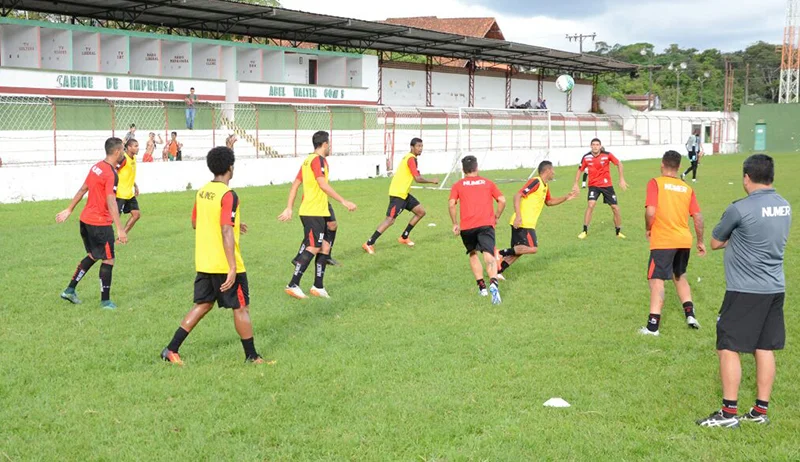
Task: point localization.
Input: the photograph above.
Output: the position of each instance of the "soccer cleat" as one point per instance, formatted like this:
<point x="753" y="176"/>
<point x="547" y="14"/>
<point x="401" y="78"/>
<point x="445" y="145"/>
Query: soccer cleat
<point x="321" y="293"/>
<point x="691" y="321"/>
<point x="108" y="305"/>
<point x="405" y="241"/>
<point x="171" y="357"/>
<point x="500" y="277"/>
<point x="295" y="292"/>
<point x="259" y="360"/>
<point x="621" y="236"/>
<point x="583" y="235"/>
<point x="368" y="248"/>
<point x="683" y="176"/>
<point x="754" y="417"/>
<point x="70" y="296"/>
<point x="483" y="292"/>
<point x="718" y="419"/>
<point x="694" y="180"/>
<point x="332" y="262"/>
<point x="583" y="185"/>
<point x="646" y="331"/>
<point x="496" y="300"/>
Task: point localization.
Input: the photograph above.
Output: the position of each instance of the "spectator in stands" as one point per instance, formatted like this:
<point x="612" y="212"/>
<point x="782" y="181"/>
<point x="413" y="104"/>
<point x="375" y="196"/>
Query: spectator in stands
<point x="515" y="104"/>
<point x="191" y="100"/>
<point x="527" y="105"/>
<point x="1" y="161"/>
<point x="172" y="151"/>
<point x="131" y="135"/>
<point x="151" y="147"/>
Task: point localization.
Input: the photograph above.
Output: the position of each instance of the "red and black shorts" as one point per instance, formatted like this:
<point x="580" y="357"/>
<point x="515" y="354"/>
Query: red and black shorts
<point x="127" y="205"/>
<point x="397" y="205"/>
<point x="749" y="322"/>
<point x="479" y="239"/>
<point x="524" y="236"/>
<point x="207" y="290"/>
<point x="667" y="263"/>
<point x="314" y="229"/>
<point x="98" y="241"/>
<point x="609" y="196"/>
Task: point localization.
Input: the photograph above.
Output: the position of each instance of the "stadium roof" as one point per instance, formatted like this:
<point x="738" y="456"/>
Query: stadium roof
<point x="220" y="17"/>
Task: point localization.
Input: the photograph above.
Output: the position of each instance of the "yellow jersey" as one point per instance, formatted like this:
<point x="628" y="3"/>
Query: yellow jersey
<point x="127" y="177"/>
<point x="404" y="176"/>
<point x="534" y="195"/>
<point x="315" y="201"/>
<point x="215" y="205"/>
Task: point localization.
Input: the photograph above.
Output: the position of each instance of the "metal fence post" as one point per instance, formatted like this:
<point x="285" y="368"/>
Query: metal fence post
<point x="258" y="144"/>
<point x="55" y="148"/>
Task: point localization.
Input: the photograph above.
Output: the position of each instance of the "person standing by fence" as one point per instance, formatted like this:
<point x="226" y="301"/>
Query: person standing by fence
<point x="191" y="101"/>
<point x="172" y="151"/>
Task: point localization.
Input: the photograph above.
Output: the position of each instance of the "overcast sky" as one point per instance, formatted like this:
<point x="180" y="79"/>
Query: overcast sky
<point x="724" y="24"/>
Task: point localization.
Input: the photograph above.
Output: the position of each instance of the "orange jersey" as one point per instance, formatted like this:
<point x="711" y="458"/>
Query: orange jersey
<point x="674" y="201"/>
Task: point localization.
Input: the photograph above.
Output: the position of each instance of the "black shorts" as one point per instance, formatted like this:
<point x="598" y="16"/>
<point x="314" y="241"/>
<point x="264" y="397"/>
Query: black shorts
<point x="127" y="205"/>
<point x="749" y="322"/>
<point x="478" y="239"/>
<point x="98" y="241"/>
<point x="524" y="236"/>
<point x="397" y="205"/>
<point x="206" y="290"/>
<point x="666" y="263"/>
<point x="333" y="214"/>
<point x="609" y="196"/>
<point x="314" y="229"/>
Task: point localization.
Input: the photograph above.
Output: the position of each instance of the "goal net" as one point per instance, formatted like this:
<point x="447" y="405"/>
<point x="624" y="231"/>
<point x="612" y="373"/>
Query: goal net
<point x="501" y="139"/>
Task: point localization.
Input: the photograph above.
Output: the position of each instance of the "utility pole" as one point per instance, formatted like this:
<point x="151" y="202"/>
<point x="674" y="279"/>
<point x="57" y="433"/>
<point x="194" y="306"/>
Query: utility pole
<point x="580" y="38"/>
<point x="747" y="83"/>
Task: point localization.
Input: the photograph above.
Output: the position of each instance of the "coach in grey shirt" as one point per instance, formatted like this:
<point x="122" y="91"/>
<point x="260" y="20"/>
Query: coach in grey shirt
<point x="753" y="231"/>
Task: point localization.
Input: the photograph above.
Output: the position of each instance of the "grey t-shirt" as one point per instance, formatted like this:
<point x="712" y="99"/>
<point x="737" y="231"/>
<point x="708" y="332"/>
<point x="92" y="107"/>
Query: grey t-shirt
<point x="756" y="228"/>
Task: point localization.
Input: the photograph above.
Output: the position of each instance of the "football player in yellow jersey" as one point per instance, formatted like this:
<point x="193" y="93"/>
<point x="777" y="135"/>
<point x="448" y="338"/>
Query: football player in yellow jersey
<point x="314" y="211"/>
<point x="127" y="189"/>
<point x="221" y="276"/>
<point x="528" y="205"/>
<point x="400" y="199"/>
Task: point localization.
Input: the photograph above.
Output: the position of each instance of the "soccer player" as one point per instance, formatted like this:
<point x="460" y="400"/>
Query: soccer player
<point x="597" y="162"/>
<point x="127" y="189"/>
<point x="95" y="223"/>
<point x="474" y="196"/>
<point x="528" y="205"/>
<point x="695" y="149"/>
<point x="314" y="210"/>
<point x="669" y="204"/>
<point x="221" y="276"/>
<point x="400" y="199"/>
<point x="753" y="231"/>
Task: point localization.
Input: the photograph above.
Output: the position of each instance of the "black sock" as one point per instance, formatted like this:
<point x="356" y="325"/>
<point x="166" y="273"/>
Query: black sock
<point x="374" y="237"/>
<point x="481" y="284"/>
<point x="83" y="267"/>
<point x="585" y="228"/>
<point x="105" y="281"/>
<point x="321" y="262"/>
<point x="760" y="407"/>
<point x="493" y="282"/>
<point x="729" y="408"/>
<point x="330" y="236"/>
<point x="688" y="309"/>
<point x="508" y="252"/>
<point x="300" y="267"/>
<point x="407" y="231"/>
<point x="503" y="266"/>
<point x="249" y="348"/>
<point x="652" y="322"/>
<point x="177" y="339"/>
<point x="618" y="230"/>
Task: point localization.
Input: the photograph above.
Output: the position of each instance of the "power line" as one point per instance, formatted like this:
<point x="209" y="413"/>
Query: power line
<point x="580" y="38"/>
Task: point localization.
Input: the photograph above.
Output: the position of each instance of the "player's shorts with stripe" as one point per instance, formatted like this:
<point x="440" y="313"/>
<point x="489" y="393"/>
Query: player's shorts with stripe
<point x="479" y="239"/>
<point x="666" y="263"/>
<point x="397" y="205"/>
<point x="127" y="205"/>
<point x="749" y="322"/>
<point x="98" y="241"/>
<point x="207" y="290"/>
<point x="609" y="196"/>
<point x="333" y="214"/>
<point x="314" y="229"/>
<point x="524" y="236"/>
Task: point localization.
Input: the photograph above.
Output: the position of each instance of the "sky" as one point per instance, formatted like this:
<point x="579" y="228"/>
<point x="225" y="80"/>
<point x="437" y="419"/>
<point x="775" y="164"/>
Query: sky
<point x="728" y="25"/>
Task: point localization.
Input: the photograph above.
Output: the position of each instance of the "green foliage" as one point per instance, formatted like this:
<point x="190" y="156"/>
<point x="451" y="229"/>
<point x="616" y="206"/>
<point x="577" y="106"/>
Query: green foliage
<point x="405" y="362"/>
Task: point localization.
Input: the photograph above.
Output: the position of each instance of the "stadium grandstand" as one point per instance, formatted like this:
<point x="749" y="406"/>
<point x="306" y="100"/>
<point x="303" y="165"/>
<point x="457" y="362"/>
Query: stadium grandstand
<point x="272" y="76"/>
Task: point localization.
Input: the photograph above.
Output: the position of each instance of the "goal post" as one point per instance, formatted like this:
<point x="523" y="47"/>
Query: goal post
<point x="501" y="139"/>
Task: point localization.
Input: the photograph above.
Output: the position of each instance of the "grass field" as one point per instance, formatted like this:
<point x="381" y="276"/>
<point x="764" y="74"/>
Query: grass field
<point x="406" y="362"/>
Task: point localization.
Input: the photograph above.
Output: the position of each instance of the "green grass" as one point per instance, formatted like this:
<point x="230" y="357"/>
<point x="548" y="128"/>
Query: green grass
<point x="406" y="362"/>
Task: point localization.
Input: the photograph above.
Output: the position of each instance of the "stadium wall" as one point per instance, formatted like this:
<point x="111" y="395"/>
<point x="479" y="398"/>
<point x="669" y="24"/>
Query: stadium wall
<point x="781" y="123"/>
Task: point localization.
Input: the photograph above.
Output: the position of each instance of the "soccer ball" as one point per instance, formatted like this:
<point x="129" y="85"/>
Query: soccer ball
<point x="565" y="83"/>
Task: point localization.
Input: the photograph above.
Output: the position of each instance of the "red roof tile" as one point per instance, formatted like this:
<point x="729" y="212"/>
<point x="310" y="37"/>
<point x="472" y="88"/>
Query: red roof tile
<point x="471" y="27"/>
